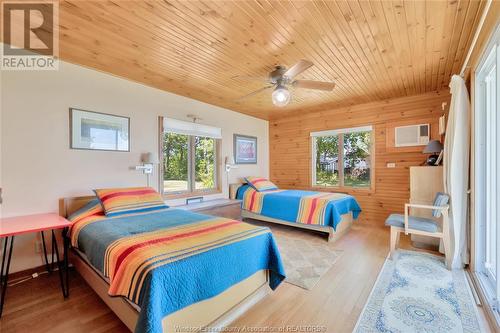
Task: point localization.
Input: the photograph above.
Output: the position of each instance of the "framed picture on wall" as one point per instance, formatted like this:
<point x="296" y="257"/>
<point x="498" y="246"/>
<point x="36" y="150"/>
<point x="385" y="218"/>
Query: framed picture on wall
<point x="245" y="149"/>
<point x="98" y="131"/>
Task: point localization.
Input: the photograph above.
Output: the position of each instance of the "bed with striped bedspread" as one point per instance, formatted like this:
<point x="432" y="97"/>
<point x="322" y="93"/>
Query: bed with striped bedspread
<point x="305" y="207"/>
<point x="159" y="260"/>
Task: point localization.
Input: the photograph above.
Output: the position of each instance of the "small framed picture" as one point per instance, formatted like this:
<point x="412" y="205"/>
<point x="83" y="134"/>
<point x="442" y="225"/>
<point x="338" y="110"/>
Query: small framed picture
<point x="98" y="131"/>
<point x="245" y="149"/>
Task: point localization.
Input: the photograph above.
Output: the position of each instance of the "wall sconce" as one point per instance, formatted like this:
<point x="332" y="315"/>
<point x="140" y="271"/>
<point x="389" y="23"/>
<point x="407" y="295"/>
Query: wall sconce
<point x="148" y="162"/>
<point x="230" y="163"/>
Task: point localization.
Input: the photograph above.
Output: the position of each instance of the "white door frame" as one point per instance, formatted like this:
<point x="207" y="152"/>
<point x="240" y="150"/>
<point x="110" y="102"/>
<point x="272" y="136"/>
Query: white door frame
<point x="479" y="172"/>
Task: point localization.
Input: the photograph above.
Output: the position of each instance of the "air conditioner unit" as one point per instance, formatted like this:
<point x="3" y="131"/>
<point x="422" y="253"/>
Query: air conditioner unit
<point x="412" y="135"/>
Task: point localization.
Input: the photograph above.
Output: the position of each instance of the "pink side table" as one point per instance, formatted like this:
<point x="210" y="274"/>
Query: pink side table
<point x="18" y="225"/>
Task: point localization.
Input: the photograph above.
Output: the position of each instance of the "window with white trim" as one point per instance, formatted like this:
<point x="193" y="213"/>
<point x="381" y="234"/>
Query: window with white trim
<point x="342" y="157"/>
<point x="189" y="154"/>
<point x="486" y="173"/>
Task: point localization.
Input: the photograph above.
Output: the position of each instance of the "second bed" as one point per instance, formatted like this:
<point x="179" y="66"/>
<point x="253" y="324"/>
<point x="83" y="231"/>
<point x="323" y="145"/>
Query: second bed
<point x="331" y="213"/>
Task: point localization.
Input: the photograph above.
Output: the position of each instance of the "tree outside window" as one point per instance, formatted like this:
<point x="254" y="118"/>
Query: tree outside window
<point x="205" y="162"/>
<point x="327" y="158"/>
<point x="357" y="164"/>
<point x="342" y="158"/>
<point x="189" y="163"/>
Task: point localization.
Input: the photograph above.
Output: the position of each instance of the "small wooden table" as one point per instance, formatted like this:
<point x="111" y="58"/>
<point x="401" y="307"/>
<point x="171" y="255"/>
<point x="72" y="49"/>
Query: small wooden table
<point x="18" y="225"/>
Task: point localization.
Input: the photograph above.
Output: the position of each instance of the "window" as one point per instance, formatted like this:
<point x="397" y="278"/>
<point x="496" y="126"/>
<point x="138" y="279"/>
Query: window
<point x="486" y="171"/>
<point x="175" y="162"/>
<point x="189" y="157"/>
<point x="342" y="158"/>
<point x="205" y="163"/>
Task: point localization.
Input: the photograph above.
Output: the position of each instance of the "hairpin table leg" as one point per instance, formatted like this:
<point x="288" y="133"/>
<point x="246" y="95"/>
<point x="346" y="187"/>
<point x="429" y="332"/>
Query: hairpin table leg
<point x="47" y="266"/>
<point x="4" y="274"/>
<point x="60" y="265"/>
<point x="53" y="245"/>
<point x="66" y="261"/>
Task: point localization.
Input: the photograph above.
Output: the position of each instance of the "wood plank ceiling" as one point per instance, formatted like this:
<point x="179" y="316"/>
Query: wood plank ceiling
<point x="373" y="50"/>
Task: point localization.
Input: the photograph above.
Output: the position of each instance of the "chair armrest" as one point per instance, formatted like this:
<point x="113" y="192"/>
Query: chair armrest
<point x="414" y="202"/>
<point x="407" y="212"/>
<point x="442" y="208"/>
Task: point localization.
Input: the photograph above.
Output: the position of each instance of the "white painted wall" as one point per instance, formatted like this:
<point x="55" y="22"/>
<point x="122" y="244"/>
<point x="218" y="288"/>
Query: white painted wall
<point x="37" y="165"/>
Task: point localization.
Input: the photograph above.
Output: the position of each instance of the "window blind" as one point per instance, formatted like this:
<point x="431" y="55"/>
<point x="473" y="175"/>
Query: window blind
<point x="341" y="131"/>
<point x="171" y="125"/>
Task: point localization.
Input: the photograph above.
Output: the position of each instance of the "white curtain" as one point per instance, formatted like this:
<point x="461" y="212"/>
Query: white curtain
<point x="456" y="168"/>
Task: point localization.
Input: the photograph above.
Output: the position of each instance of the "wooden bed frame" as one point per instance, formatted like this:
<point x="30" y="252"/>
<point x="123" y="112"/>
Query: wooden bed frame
<point x="333" y="235"/>
<point x="216" y="312"/>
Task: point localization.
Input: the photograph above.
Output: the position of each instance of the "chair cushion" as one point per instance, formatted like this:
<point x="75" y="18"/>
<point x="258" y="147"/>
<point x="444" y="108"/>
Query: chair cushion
<point x="414" y="222"/>
<point x="440" y="200"/>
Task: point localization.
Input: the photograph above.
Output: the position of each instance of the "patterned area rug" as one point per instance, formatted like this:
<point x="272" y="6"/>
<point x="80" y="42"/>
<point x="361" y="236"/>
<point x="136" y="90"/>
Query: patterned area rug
<point x="305" y="260"/>
<point x="416" y="293"/>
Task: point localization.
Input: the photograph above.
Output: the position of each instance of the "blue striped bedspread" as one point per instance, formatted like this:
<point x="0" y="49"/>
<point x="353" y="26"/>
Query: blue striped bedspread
<point x="167" y="260"/>
<point x="297" y="206"/>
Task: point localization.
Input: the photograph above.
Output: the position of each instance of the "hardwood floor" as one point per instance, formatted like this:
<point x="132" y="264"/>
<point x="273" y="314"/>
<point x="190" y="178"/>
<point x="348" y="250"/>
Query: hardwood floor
<point x="335" y="303"/>
<point x="38" y="306"/>
<point x="337" y="300"/>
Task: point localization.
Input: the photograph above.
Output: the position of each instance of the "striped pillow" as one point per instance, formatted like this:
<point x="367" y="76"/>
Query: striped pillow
<point x="261" y="184"/>
<point x="120" y="201"/>
<point x="93" y="207"/>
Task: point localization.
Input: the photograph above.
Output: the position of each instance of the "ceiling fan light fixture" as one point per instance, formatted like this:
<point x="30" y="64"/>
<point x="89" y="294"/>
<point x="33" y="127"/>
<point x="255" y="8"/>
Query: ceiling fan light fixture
<point x="281" y="96"/>
<point x="281" y="77"/>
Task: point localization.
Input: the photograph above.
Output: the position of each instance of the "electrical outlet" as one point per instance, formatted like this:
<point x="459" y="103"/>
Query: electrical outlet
<point x="391" y="165"/>
<point x="38" y="246"/>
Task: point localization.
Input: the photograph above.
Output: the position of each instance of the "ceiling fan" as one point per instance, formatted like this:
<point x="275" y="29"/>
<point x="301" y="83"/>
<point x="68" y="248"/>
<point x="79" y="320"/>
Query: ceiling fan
<point x="281" y="78"/>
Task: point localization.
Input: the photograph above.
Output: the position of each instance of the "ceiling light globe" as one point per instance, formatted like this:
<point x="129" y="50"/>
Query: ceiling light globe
<point x="281" y="96"/>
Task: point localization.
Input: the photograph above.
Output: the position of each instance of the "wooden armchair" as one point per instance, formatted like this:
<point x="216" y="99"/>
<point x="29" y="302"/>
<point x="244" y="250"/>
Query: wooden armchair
<point x="423" y="226"/>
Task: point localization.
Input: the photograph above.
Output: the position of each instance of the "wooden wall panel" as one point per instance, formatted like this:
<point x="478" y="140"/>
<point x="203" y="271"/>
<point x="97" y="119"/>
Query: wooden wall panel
<point x="290" y="148"/>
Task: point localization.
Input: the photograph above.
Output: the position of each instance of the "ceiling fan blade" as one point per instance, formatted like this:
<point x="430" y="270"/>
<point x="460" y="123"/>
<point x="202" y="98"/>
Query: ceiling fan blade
<point x="298" y="68"/>
<point x="253" y="93"/>
<point x="318" y="85"/>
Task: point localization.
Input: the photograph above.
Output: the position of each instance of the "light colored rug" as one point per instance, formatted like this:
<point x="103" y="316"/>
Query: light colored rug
<point x="305" y="260"/>
<point x="416" y="293"/>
